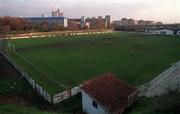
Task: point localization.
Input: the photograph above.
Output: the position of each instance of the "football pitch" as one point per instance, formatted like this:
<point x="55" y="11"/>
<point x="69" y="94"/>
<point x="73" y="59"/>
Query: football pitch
<point x="62" y="62"/>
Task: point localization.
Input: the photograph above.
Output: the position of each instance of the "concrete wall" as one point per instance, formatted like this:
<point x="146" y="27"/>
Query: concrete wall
<point x="132" y="98"/>
<point x="66" y="94"/>
<point x="88" y="107"/>
<point x="169" y="80"/>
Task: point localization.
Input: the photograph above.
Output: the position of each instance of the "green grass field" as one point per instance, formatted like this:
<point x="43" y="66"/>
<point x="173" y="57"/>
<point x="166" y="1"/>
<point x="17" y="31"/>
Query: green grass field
<point x="59" y="63"/>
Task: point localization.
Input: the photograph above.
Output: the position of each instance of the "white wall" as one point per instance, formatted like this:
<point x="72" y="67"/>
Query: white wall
<point x="178" y="32"/>
<point x="152" y="31"/>
<point x="65" y="22"/>
<point x="160" y="32"/>
<point x="88" y="107"/>
<point x="167" y="32"/>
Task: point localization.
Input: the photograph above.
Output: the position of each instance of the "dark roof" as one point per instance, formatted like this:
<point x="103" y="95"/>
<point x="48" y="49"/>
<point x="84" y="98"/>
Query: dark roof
<point x="109" y="91"/>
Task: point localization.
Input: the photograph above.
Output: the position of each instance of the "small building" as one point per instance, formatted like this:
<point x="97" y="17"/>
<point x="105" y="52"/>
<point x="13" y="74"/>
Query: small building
<point x="178" y="32"/>
<point x="161" y="31"/>
<point x="107" y="94"/>
<point x="166" y="32"/>
<point x="151" y="31"/>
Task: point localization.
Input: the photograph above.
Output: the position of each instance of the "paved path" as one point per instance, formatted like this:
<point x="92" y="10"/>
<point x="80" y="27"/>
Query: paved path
<point x="168" y="80"/>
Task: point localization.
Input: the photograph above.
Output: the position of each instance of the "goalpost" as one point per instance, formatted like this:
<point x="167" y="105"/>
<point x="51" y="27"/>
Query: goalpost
<point x="11" y="46"/>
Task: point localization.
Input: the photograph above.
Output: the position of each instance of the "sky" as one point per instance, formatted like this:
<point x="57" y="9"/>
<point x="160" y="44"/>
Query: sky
<point x="167" y="11"/>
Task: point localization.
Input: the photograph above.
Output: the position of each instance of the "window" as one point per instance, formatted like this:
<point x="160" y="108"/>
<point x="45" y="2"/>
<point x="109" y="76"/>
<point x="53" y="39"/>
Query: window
<point x="95" y="105"/>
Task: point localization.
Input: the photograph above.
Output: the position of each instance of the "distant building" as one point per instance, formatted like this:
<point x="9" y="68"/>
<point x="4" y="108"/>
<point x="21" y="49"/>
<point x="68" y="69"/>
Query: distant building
<point x="141" y="23"/>
<point x="131" y="22"/>
<point x="158" y="23"/>
<point x="107" y="94"/>
<point x="48" y="20"/>
<point x="93" y="23"/>
<point x="99" y="17"/>
<point x="57" y="13"/>
<point x="56" y="19"/>
<point x="83" y="22"/>
<point x="124" y="22"/>
<point x="87" y="25"/>
<point x="75" y="23"/>
<point x="166" y="32"/>
<point x="149" y="23"/>
<point x="107" y="21"/>
<point x="116" y="24"/>
<point x="178" y="32"/>
<point x="162" y="31"/>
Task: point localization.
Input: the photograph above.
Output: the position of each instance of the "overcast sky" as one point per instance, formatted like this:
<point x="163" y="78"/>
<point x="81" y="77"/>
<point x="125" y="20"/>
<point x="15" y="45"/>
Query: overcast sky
<point x="167" y="11"/>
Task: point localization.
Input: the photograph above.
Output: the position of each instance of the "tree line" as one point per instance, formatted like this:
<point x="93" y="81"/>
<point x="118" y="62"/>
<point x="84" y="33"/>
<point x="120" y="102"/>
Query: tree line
<point x="17" y="24"/>
<point x="8" y="24"/>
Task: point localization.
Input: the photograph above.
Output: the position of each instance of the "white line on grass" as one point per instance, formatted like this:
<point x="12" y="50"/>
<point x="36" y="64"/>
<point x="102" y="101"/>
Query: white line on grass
<point x="37" y="68"/>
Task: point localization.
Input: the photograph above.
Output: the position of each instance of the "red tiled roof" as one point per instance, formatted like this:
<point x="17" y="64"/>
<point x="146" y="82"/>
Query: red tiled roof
<point x="109" y="91"/>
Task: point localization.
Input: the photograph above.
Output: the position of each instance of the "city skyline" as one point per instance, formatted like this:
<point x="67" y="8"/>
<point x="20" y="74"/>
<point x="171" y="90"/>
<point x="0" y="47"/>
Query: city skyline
<point x="167" y="11"/>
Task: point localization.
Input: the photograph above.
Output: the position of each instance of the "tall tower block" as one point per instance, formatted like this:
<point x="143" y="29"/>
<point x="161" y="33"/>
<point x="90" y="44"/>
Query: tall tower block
<point x="107" y="21"/>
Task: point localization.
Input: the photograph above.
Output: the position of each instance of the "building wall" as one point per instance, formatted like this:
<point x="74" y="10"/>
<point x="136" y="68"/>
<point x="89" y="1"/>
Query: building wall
<point x="160" y="32"/>
<point x="57" y="13"/>
<point x="124" y="21"/>
<point x="141" y="23"/>
<point x="83" y="21"/>
<point x="166" y="32"/>
<point x="132" y="98"/>
<point x="65" y="23"/>
<point x="88" y="107"/>
<point x="178" y="32"/>
<point x="152" y="31"/>
<point x="131" y="22"/>
<point x="107" y="21"/>
<point x="49" y="20"/>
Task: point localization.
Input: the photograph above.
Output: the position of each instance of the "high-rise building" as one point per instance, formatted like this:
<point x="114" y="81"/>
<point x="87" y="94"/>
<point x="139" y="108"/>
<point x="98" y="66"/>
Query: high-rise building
<point x="124" y="21"/>
<point x="141" y="23"/>
<point x="131" y="22"/>
<point x="107" y="21"/>
<point x="149" y="22"/>
<point x="83" y="22"/>
<point x="57" y="13"/>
